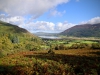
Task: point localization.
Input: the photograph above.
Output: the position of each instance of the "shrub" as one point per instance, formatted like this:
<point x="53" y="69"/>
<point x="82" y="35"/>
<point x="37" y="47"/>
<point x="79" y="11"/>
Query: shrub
<point x="6" y="44"/>
<point x="1" y="54"/>
<point x="29" y="46"/>
<point x="19" y="46"/>
<point x="56" y="47"/>
<point x="35" y="48"/>
<point x="51" y="52"/>
<point x="74" y="46"/>
<point x="95" y="46"/>
<point x="60" y="47"/>
<point x="83" y="45"/>
<point x="79" y="46"/>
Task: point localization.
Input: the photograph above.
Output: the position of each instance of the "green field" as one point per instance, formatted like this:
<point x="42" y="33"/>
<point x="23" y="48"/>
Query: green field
<point x="64" y="44"/>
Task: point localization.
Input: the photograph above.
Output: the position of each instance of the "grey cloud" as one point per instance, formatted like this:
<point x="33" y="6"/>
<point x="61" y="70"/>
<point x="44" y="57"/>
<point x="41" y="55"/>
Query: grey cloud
<point x="24" y="7"/>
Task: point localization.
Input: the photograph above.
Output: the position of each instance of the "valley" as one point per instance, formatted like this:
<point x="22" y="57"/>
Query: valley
<point x="23" y="53"/>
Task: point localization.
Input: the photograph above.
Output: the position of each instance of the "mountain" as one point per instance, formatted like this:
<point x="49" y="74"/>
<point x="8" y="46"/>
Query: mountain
<point x="7" y="28"/>
<point x="85" y="30"/>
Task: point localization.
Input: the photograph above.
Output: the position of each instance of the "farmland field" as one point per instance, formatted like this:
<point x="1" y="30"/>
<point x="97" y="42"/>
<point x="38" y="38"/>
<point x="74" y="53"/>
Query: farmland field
<point x="63" y="62"/>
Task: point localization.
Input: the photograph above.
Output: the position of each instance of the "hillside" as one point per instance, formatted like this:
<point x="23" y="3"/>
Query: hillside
<point x="14" y="38"/>
<point x="86" y="30"/>
<point x="6" y="28"/>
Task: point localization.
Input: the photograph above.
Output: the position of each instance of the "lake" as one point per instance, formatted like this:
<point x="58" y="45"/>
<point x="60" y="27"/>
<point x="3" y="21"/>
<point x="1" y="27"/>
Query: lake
<point x="50" y="37"/>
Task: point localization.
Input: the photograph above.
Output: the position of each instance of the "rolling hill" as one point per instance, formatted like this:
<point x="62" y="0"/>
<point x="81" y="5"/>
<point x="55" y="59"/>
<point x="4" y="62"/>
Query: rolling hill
<point x="85" y="30"/>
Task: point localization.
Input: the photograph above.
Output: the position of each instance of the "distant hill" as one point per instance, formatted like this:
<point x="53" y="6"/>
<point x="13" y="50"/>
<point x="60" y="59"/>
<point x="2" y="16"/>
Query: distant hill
<point x="85" y="30"/>
<point x="45" y="34"/>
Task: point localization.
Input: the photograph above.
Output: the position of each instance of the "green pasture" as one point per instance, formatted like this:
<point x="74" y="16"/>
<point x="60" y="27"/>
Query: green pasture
<point x="69" y="42"/>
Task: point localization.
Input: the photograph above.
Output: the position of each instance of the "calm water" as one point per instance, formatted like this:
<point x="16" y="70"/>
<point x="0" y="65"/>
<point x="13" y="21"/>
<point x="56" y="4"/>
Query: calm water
<point x="50" y="37"/>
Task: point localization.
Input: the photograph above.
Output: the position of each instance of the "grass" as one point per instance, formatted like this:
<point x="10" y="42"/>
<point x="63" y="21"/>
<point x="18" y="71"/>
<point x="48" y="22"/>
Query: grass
<point x="70" y="42"/>
<point x="63" y="62"/>
<point x="81" y="41"/>
<point x="80" y="52"/>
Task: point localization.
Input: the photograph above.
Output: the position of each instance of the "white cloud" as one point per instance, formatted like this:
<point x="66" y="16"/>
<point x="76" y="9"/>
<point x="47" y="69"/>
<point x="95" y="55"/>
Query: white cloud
<point x="25" y="7"/>
<point x="13" y="20"/>
<point x="36" y="26"/>
<point x="63" y="26"/>
<point x="43" y="26"/>
<point x="39" y="26"/>
<point x="92" y="21"/>
<point x="54" y="12"/>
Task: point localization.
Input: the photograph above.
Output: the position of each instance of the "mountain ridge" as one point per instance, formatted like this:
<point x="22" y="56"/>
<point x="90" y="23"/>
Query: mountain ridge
<point x="13" y="26"/>
<point x="84" y="30"/>
<point x="8" y="28"/>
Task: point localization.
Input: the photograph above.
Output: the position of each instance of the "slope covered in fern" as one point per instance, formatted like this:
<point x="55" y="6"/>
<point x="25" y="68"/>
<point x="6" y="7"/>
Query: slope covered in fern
<point x="14" y="38"/>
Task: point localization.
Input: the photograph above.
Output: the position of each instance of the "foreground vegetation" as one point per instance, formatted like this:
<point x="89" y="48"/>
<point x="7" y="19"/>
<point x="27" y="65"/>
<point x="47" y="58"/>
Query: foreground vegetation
<point x="63" y="62"/>
<point x="22" y="53"/>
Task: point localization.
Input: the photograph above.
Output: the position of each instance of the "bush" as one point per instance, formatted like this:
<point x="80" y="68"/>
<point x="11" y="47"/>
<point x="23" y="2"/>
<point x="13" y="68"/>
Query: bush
<point x="83" y="45"/>
<point x="6" y="44"/>
<point x="57" y="47"/>
<point x="29" y="46"/>
<point x="19" y="46"/>
<point x="95" y="46"/>
<point x="79" y="46"/>
<point x="60" y="47"/>
<point x="35" y="48"/>
<point x="1" y="54"/>
<point x="51" y="50"/>
<point x="74" y="46"/>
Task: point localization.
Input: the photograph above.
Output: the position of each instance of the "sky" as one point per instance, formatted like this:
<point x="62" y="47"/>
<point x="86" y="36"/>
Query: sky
<point x="52" y="16"/>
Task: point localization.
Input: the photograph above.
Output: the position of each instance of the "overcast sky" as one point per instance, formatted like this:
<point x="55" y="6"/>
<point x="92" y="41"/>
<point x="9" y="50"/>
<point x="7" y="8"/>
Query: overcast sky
<point x="49" y="15"/>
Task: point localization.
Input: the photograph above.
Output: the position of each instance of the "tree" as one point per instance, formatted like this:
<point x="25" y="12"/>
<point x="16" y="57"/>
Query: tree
<point x="51" y="50"/>
<point x="6" y="43"/>
<point x="15" y="39"/>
